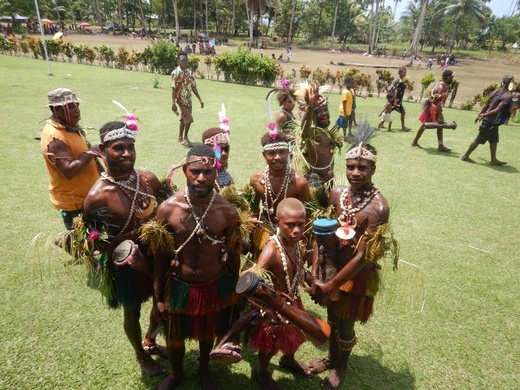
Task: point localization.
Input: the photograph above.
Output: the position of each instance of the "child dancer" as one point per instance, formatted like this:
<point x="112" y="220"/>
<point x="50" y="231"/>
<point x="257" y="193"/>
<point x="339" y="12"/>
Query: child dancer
<point x="386" y="114"/>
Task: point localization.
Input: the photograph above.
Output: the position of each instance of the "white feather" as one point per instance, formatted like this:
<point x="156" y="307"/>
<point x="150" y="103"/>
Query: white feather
<point x="325" y="89"/>
<point x="222" y="113"/>
<point x="120" y="106"/>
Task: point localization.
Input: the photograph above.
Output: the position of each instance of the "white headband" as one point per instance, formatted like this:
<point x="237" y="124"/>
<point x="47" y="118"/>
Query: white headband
<point x="362" y="153"/>
<point x="123" y="132"/>
<point x="276" y="146"/>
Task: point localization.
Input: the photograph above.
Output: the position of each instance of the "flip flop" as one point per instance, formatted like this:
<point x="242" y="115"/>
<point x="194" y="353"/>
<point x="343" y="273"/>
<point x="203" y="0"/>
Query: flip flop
<point x="303" y="370"/>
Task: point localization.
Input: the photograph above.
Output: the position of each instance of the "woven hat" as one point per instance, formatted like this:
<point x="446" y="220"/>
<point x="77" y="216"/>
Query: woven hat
<point x="61" y="97"/>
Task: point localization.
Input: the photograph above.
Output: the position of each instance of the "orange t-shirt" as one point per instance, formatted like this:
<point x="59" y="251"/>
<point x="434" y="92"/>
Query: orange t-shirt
<point x="67" y="194"/>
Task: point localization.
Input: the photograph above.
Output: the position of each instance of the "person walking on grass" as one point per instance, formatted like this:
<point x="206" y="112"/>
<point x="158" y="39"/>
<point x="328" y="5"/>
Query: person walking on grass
<point x="438" y="95"/>
<point x="386" y="114"/>
<point x="398" y="89"/>
<point x="182" y="84"/>
<point x="495" y="113"/>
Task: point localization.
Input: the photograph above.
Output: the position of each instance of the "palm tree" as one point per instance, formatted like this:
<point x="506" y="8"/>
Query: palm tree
<point x="418" y="29"/>
<point x="472" y="10"/>
<point x="176" y="16"/>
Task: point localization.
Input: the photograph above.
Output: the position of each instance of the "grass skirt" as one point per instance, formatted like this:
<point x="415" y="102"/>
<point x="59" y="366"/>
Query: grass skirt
<point x="130" y="289"/>
<point x="270" y="339"/>
<point x="199" y="311"/>
<point x="356" y="300"/>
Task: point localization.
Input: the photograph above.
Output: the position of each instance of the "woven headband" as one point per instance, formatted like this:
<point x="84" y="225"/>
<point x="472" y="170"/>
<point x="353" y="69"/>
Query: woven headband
<point x="361" y="152"/>
<point x="219" y="139"/>
<point x="276" y="146"/>
<point x="122" y="132"/>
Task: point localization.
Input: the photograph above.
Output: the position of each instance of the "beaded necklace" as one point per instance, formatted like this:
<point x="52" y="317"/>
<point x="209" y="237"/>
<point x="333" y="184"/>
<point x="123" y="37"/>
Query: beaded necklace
<point x="292" y="288"/>
<point x="125" y="185"/>
<point x="199" y="228"/>
<point x="134" y="198"/>
<point x="269" y="198"/>
<point x="348" y="211"/>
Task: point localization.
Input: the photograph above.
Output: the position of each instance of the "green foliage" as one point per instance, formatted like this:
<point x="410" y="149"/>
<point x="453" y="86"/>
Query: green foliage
<point x="164" y="59"/>
<point x="384" y="81"/>
<point x="425" y="83"/>
<point x="106" y="55"/>
<point x="482" y="99"/>
<point x="193" y="63"/>
<point x="243" y="67"/>
<point x="466" y="106"/>
<point x="156" y="80"/>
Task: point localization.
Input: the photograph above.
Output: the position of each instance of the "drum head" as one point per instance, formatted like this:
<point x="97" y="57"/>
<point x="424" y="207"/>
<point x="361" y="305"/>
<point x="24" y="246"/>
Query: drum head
<point x="122" y="251"/>
<point x="324" y="226"/>
<point x="247" y="283"/>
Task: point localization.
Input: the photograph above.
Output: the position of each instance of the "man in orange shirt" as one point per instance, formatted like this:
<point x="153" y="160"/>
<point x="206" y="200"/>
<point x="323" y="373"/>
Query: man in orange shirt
<point x="69" y="158"/>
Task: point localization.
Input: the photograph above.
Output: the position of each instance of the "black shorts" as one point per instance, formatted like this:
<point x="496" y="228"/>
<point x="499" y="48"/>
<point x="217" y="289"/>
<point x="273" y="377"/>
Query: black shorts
<point x="488" y="131"/>
<point x="399" y="108"/>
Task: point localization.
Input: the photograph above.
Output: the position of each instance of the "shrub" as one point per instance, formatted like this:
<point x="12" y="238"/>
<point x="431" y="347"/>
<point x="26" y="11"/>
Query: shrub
<point x="384" y="81"/>
<point x="106" y="55"/>
<point x="164" y="59"/>
<point x="425" y="83"/>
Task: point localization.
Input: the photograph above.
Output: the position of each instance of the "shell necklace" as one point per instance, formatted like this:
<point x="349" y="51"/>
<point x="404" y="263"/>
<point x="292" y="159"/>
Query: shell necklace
<point x="349" y="209"/>
<point x="124" y="184"/>
<point x="269" y="196"/>
<point x="292" y="288"/>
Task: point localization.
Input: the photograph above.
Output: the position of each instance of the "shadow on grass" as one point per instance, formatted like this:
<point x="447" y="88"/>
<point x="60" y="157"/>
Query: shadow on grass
<point x="364" y="372"/>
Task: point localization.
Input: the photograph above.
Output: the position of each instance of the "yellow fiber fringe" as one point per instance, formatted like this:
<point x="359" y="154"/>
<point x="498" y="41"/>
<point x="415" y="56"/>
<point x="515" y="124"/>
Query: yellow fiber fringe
<point x="157" y="236"/>
<point x="381" y="243"/>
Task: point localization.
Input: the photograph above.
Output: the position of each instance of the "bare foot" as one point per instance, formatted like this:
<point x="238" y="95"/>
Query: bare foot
<point x="405" y="129"/>
<point x="498" y="163"/>
<point x="152" y="348"/>
<point x="335" y="379"/>
<point x="149" y="366"/>
<point x="319" y="365"/>
<point x="416" y="146"/>
<point x="296" y="367"/>
<point x="265" y="381"/>
<point x="467" y="159"/>
<point x="443" y="148"/>
<point x="169" y="382"/>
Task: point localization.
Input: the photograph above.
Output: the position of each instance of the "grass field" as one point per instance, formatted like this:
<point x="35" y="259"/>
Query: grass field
<point x="448" y="319"/>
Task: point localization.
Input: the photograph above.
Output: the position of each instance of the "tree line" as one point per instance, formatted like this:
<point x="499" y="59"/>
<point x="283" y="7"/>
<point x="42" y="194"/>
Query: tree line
<point x="432" y="25"/>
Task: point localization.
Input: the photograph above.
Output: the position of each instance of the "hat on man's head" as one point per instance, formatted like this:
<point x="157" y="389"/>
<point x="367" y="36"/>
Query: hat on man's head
<point x="447" y="73"/>
<point x="61" y="97"/>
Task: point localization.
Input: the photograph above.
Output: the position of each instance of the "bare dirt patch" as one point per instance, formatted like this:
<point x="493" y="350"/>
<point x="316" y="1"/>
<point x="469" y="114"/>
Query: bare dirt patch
<point x="473" y="74"/>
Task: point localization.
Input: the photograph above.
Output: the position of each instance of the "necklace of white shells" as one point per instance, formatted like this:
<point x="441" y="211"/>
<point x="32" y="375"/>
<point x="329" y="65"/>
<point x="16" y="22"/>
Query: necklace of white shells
<point x="292" y="288"/>
<point x="347" y="219"/>
<point x="199" y="229"/>
<point x="134" y="206"/>
<point x="269" y="196"/>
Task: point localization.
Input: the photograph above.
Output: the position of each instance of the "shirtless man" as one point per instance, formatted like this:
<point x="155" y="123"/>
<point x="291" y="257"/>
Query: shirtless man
<point x="273" y="184"/>
<point x="318" y="142"/>
<point x="361" y="209"/>
<point x="440" y="89"/>
<point x="117" y="205"/>
<point x="203" y="266"/>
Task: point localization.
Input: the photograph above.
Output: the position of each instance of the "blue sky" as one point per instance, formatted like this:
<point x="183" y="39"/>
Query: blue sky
<point x="499" y="7"/>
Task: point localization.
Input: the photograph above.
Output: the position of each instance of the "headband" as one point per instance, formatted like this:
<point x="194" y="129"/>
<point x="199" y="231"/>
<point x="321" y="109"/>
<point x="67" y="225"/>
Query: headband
<point x="276" y="146"/>
<point x="122" y="132"/>
<point x="220" y="138"/>
<point x="361" y="152"/>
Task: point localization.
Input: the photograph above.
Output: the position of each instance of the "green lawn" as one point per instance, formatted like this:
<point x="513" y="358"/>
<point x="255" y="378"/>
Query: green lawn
<point x="448" y="319"/>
